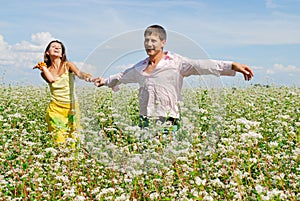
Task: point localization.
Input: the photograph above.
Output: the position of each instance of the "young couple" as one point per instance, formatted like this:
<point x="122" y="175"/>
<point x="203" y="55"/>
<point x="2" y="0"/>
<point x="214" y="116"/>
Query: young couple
<point x="160" y="78"/>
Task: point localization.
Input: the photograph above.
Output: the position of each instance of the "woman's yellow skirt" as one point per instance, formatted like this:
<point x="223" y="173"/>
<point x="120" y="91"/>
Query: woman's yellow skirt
<point x="63" y="121"/>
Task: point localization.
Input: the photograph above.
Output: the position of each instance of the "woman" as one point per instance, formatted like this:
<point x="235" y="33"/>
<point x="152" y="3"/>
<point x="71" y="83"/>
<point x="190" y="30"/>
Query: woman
<point x="63" y="115"/>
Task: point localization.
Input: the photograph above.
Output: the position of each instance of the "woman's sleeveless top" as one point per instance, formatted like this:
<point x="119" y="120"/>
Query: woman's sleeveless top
<point x="62" y="90"/>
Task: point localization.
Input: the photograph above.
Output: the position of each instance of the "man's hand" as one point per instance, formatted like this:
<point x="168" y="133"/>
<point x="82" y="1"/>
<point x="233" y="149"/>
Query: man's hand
<point x="243" y="68"/>
<point x="99" y="81"/>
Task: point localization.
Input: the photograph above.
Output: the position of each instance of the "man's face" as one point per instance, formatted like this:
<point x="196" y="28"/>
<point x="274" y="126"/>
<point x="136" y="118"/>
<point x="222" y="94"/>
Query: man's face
<point x="153" y="44"/>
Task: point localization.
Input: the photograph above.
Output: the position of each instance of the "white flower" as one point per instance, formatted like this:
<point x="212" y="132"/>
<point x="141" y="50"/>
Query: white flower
<point x="101" y="114"/>
<point x="284" y="116"/>
<point x="273" y="144"/>
<point x="95" y="191"/>
<point x="102" y="120"/>
<point x="2" y="180"/>
<point x="199" y="181"/>
<point x="121" y="198"/>
<point x="237" y="195"/>
<point x="17" y="115"/>
<point x="52" y="150"/>
<point x="128" y="180"/>
<point x="154" y="196"/>
<point x="259" y="188"/>
<point x="247" y="123"/>
<point x="253" y="160"/>
<point x="153" y="161"/>
<point x="183" y="159"/>
<point x="69" y="193"/>
<point x="217" y="182"/>
<point x="201" y="110"/>
<point x="29" y="143"/>
<point x="79" y="198"/>
<point x="45" y="195"/>
<point x="194" y="192"/>
<point x="208" y="198"/>
<point x="265" y="197"/>
<point x="39" y="156"/>
<point x="255" y="135"/>
<point x="296" y="153"/>
<point x="250" y="135"/>
<point x="233" y="183"/>
<point x="228" y="160"/>
<point x="273" y="193"/>
<point x="65" y="179"/>
<point x="107" y="191"/>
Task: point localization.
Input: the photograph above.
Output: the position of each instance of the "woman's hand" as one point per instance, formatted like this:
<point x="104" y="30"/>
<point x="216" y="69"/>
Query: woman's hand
<point x="40" y="65"/>
<point x="87" y="77"/>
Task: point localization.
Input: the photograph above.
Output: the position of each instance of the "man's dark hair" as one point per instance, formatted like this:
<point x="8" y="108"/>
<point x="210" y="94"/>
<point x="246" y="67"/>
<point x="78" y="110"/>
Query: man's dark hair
<point x="156" y="29"/>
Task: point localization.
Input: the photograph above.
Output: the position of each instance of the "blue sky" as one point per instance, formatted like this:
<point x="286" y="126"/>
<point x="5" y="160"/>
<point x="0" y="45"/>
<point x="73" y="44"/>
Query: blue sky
<point x="262" y="34"/>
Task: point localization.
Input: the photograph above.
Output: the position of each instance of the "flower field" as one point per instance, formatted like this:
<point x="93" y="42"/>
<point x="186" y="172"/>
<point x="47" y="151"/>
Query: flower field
<point x="240" y="144"/>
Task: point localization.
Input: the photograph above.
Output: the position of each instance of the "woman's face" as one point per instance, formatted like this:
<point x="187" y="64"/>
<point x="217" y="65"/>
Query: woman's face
<point x="55" y="49"/>
<point x="153" y="44"/>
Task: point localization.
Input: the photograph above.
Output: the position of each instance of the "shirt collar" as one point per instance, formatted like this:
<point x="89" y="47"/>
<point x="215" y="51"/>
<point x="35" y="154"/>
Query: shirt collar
<point x="167" y="56"/>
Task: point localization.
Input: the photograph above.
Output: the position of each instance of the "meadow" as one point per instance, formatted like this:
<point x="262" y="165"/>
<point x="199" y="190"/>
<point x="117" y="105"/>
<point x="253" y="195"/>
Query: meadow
<point x="240" y="144"/>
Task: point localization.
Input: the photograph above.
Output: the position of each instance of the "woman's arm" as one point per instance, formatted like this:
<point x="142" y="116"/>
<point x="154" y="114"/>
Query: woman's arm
<point x="47" y="76"/>
<point x="45" y="73"/>
<point x="80" y="74"/>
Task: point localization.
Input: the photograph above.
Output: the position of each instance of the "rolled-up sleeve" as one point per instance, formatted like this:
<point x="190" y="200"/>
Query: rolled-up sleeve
<point x="113" y="81"/>
<point x="225" y="68"/>
<point x="130" y="75"/>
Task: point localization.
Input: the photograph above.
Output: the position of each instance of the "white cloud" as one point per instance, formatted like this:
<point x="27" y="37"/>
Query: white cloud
<point x="5" y="53"/>
<point x="41" y="38"/>
<point x="3" y="44"/>
<point x="37" y="44"/>
<point x="24" y="53"/>
<point x="288" y="68"/>
<point x="280" y="68"/>
<point x="17" y="60"/>
<point x="270" y="4"/>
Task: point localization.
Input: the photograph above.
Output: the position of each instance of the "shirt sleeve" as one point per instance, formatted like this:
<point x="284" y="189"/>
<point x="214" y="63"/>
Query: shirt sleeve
<point x="206" y="67"/>
<point x="130" y="75"/>
<point x="113" y="81"/>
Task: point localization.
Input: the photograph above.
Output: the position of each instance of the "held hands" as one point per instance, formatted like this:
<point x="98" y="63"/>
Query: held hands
<point x="244" y="69"/>
<point x="40" y="65"/>
<point x="99" y="81"/>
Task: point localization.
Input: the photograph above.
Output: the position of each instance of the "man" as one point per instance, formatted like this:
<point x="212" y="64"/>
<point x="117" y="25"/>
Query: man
<point x="160" y="77"/>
